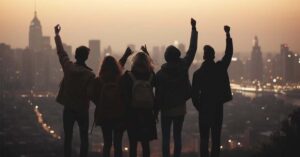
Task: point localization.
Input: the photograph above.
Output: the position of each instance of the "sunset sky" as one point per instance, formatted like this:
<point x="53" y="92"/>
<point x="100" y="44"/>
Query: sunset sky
<point x="156" y="22"/>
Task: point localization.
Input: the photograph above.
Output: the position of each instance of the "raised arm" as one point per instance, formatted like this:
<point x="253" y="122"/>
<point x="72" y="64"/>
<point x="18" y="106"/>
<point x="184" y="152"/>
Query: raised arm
<point x="229" y="48"/>
<point x="63" y="56"/>
<point x="125" y="56"/>
<point x="144" y="49"/>
<point x="190" y="55"/>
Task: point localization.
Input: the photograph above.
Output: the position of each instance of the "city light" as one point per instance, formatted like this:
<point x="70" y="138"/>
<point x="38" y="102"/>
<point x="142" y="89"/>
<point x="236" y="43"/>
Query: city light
<point x="40" y="120"/>
<point x="234" y="59"/>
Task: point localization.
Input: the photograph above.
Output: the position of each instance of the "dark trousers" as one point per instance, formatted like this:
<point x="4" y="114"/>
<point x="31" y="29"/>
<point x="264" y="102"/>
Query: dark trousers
<point x="69" y="118"/>
<point x="215" y="130"/>
<point x="133" y="143"/>
<point x="166" y="123"/>
<point x="111" y="134"/>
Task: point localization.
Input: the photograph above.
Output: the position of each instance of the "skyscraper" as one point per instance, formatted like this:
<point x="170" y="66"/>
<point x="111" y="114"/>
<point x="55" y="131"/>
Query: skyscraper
<point x="256" y="67"/>
<point x="35" y="34"/>
<point x="287" y="63"/>
<point x="94" y="56"/>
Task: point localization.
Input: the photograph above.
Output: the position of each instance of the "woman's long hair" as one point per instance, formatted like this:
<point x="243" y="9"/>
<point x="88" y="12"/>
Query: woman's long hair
<point x="142" y="63"/>
<point x="110" y="69"/>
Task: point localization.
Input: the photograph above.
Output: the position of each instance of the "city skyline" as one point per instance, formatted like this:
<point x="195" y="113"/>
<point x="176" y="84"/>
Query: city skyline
<point x="145" y="22"/>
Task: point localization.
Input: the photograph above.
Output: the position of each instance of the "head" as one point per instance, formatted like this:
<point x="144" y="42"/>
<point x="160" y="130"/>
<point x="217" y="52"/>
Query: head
<point x="110" y="69"/>
<point x="209" y="53"/>
<point x="82" y="54"/>
<point x="142" y="63"/>
<point x="172" y="54"/>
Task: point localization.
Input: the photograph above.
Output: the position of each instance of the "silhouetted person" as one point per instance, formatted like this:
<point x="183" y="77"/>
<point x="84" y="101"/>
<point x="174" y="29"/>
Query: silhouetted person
<point x="211" y="89"/>
<point x="137" y="90"/>
<point x="73" y="94"/>
<point x="173" y="90"/>
<point x="110" y="110"/>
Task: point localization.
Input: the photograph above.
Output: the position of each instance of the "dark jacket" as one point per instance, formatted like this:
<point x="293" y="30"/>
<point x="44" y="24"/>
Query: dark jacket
<point x="211" y="86"/>
<point x="141" y="123"/>
<point x="176" y="72"/>
<point x="73" y="88"/>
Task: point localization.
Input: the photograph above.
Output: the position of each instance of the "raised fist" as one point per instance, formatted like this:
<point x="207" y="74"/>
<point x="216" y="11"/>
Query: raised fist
<point x="57" y="29"/>
<point x="128" y="52"/>
<point x="144" y="48"/>
<point x="193" y="22"/>
<point x="226" y="29"/>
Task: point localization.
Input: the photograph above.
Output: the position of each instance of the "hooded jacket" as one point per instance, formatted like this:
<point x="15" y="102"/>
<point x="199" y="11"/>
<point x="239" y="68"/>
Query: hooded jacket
<point x="73" y="88"/>
<point x="176" y="72"/>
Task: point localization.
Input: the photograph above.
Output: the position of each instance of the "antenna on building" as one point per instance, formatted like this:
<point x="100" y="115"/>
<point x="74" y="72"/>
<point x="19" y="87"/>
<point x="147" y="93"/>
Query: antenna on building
<point x="35" y="8"/>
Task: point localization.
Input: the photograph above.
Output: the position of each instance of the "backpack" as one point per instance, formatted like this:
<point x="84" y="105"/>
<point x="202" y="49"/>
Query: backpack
<point x="177" y="90"/>
<point x="110" y="105"/>
<point x="142" y="93"/>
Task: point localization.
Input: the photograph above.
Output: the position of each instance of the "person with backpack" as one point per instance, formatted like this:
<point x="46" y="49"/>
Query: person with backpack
<point x="110" y="110"/>
<point x="137" y="91"/>
<point x="211" y="89"/>
<point x="73" y="94"/>
<point x="173" y="90"/>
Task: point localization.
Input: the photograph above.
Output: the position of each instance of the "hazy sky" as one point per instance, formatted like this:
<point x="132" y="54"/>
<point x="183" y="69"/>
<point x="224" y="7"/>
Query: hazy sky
<point x="156" y="22"/>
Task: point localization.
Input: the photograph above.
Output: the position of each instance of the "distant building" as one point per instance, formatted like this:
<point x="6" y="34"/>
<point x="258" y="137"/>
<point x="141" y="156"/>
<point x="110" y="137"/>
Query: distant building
<point x="35" y="34"/>
<point x="269" y="71"/>
<point x="287" y="63"/>
<point x="236" y="70"/>
<point x="94" y="56"/>
<point x="256" y="67"/>
<point x="68" y="49"/>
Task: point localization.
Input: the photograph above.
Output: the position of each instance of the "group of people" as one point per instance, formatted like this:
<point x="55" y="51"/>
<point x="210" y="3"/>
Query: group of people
<point x="132" y="100"/>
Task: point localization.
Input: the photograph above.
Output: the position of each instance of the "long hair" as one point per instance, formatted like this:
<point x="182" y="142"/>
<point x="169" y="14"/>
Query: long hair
<point x="110" y="69"/>
<point x="142" y="63"/>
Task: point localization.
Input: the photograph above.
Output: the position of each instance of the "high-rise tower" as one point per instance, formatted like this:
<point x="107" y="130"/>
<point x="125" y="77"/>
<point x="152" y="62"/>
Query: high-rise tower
<point x="256" y="62"/>
<point x="35" y="34"/>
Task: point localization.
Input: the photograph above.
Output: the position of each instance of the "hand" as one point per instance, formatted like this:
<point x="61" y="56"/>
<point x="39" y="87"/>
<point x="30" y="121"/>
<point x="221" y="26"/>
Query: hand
<point x="57" y="29"/>
<point x="128" y="51"/>
<point x="226" y="29"/>
<point x="144" y="48"/>
<point x="193" y="22"/>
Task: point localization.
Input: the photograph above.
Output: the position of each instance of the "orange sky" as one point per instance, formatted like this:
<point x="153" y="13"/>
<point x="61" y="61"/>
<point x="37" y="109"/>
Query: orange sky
<point x="156" y="22"/>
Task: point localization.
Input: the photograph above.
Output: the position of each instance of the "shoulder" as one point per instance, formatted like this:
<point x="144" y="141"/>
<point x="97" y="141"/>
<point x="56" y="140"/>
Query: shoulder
<point x="125" y="77"/>
<point x="220" y="65"/>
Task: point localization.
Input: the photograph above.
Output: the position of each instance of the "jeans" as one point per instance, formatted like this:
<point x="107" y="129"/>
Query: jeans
<point x="166" y="123"/>
<point x="215" y="130"/>
<point x="69" y="118"/>
<point x="110" y="135"/>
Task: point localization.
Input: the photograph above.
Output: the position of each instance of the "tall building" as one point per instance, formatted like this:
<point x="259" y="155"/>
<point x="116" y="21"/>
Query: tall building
<point x="288" y="63"/>
<point x="256" y="67"/>
<point x="236" y="69"/>
<point x="35" y="34"/>
<point x="94" y="56"/>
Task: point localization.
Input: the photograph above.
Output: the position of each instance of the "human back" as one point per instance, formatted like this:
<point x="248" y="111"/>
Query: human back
<point x="106" y="93"/>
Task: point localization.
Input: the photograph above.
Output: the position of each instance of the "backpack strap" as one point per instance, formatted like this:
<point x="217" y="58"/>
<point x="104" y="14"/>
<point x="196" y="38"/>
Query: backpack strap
<point x="134" y="79"/>
<point x="132" y="76"/>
